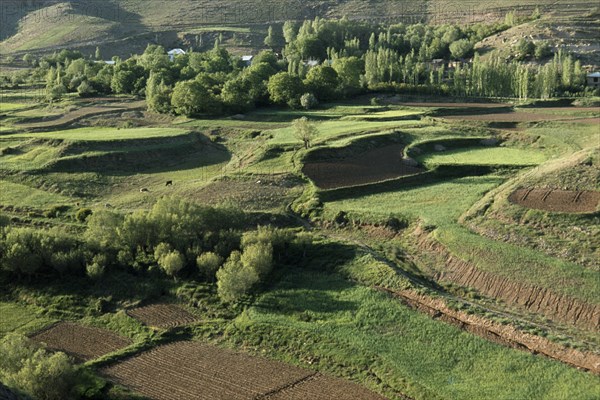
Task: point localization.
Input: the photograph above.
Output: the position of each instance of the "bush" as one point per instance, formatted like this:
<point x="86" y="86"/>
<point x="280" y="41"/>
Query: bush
<point x="172" y="263"/>
<point x="97" y="268"/>
<point x="208" y="264"/>
<point x="26" y="367"/>
<point x="55" y="211"/>
<point x="308" y="101"/>
<point x="82" y="214"/>
<point x="234" y="280"/>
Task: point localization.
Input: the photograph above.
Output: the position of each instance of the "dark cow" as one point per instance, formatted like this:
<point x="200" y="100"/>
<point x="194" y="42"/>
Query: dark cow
<point x="169" y="183"/>
<point x="144" y="190"/>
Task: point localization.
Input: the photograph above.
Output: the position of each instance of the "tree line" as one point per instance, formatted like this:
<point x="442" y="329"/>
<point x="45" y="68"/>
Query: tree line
<point x="175" y="238"/>
<point x="319" y="61"/>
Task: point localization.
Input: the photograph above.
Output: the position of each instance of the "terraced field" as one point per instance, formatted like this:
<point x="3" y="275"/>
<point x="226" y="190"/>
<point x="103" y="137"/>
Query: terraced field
<point x="81" y="342"/>
<point x="162" y="315"/>
<point x="189" y="370"/>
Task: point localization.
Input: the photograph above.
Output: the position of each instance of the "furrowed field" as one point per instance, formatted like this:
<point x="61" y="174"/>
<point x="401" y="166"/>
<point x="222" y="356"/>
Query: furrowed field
<point x="417" y="217"/>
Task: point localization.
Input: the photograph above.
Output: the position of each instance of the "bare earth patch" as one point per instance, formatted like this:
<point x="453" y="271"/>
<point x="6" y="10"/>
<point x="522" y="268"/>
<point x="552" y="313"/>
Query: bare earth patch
<point x="556" y="200"/>
<point x="162" y="315"/>
<point x="520" y="117"/>
<point x="82" y="342"/>
<point x="368" y="167"/>
<point x="191" y="370"/>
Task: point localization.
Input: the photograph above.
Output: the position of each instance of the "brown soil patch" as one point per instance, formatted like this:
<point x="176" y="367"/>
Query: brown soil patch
<point x="162" y="315"/>
<point x="82" y="342"/>
<point x="368" y="167"/>
<point x="556" y="200"/>
<point x="190" y="370"/>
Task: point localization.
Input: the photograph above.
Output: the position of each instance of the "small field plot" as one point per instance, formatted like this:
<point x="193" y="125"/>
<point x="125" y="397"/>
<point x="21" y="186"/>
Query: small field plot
<point x="385" y="116"/>
<point x="189" y="370"/>
<point x="162" y="315"/>
<point x="20" y="319"/>
<point x="484" y="156"/>
<point x="106" y="134"/>
<point x="81" y="342"/>
<point x="557" y="200"/>
<point x="436" y="203"/>
<point x="368" y="167"/>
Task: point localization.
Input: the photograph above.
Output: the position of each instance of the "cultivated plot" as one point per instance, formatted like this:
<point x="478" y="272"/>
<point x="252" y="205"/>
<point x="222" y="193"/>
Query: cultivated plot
<point x="81" y="342"/>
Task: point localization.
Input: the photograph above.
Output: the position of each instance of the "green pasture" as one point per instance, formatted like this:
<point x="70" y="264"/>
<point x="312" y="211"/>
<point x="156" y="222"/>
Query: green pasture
<point x="367" y="336"/>
<point x="6" y="107"/>
<point x="19" y="195"/>
<point x="439" y="203"/>
<point x="20" y="319"/>
<point x="484" y="156"/>
<point x="106" y="134"/>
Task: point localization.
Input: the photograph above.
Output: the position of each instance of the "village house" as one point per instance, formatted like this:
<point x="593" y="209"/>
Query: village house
<point x="593" y="80"/>
<point x="175" y="52"/>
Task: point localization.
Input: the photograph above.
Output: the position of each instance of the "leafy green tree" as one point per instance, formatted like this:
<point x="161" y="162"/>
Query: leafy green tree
<point x="158" y="94"/>
<point x="349" y="71"/>
<point x="237" y="94"/>
<point x="259" y="257"/>
<point x="208" y="264"/>
<point x="460" y="48"/>
<point x="85" y="89"/>
<point x="323" y="80"/>
<point x="304" y="131"/>
<point x="308" y="101"/>
<point x="274" y="39"/>
<point x="26" y="367"/>
<point x="266" y="56"/>
<point x="524" y="49"/>
<point x="234" y="280"/>
<point x="191" y="98"/>
<point x="172" y="263"/>
<point x="290" y="31"/>
<point x="285" y="89"/>
<point x="103" y="227"/>
<point x="98" y="54"/>
<point x="542" y="50"/>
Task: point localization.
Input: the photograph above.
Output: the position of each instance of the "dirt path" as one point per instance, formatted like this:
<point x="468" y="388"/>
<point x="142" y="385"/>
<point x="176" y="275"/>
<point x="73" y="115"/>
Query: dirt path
<point x="81" y="113"/>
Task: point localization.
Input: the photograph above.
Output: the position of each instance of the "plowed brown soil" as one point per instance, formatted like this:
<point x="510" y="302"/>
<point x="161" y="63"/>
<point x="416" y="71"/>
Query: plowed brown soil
<point x="82" y="342"/>
<point x="190" y="370"/>
<point x="162" y="315"/>
<point x="556" y="200"/>
<point x="368" y="167"/>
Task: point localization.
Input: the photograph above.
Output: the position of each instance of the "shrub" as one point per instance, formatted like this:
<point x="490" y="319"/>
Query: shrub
<point x="26" y="367"/>
<point x="308" y="101"/>
<point x="172" y="263"/>
<point x="97" y="268"/>
<point x="208" y="264"/>
<point x="82" y="214"/>
<point x="234" y="280"/>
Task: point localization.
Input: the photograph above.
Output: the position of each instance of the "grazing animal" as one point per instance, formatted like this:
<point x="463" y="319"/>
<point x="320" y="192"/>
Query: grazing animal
<point x="144" y="190"/>
<point x="108" y="205"/>
<point x="169" y="183"/>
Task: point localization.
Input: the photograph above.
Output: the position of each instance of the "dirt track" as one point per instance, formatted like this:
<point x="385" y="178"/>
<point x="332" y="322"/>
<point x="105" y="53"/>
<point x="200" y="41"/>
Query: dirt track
<point x="191" y="370"/>
<point x="556" y="200"/>
<point x="369" y="167"/>
<point x="81" y="113"/>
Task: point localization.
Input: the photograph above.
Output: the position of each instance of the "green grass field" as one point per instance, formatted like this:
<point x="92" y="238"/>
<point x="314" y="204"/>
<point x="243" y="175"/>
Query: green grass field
<point x="106" y="134"/>
<point x="367" y="336"/>
<point x="20" y="319"/>
<point x="484" y="156"/>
